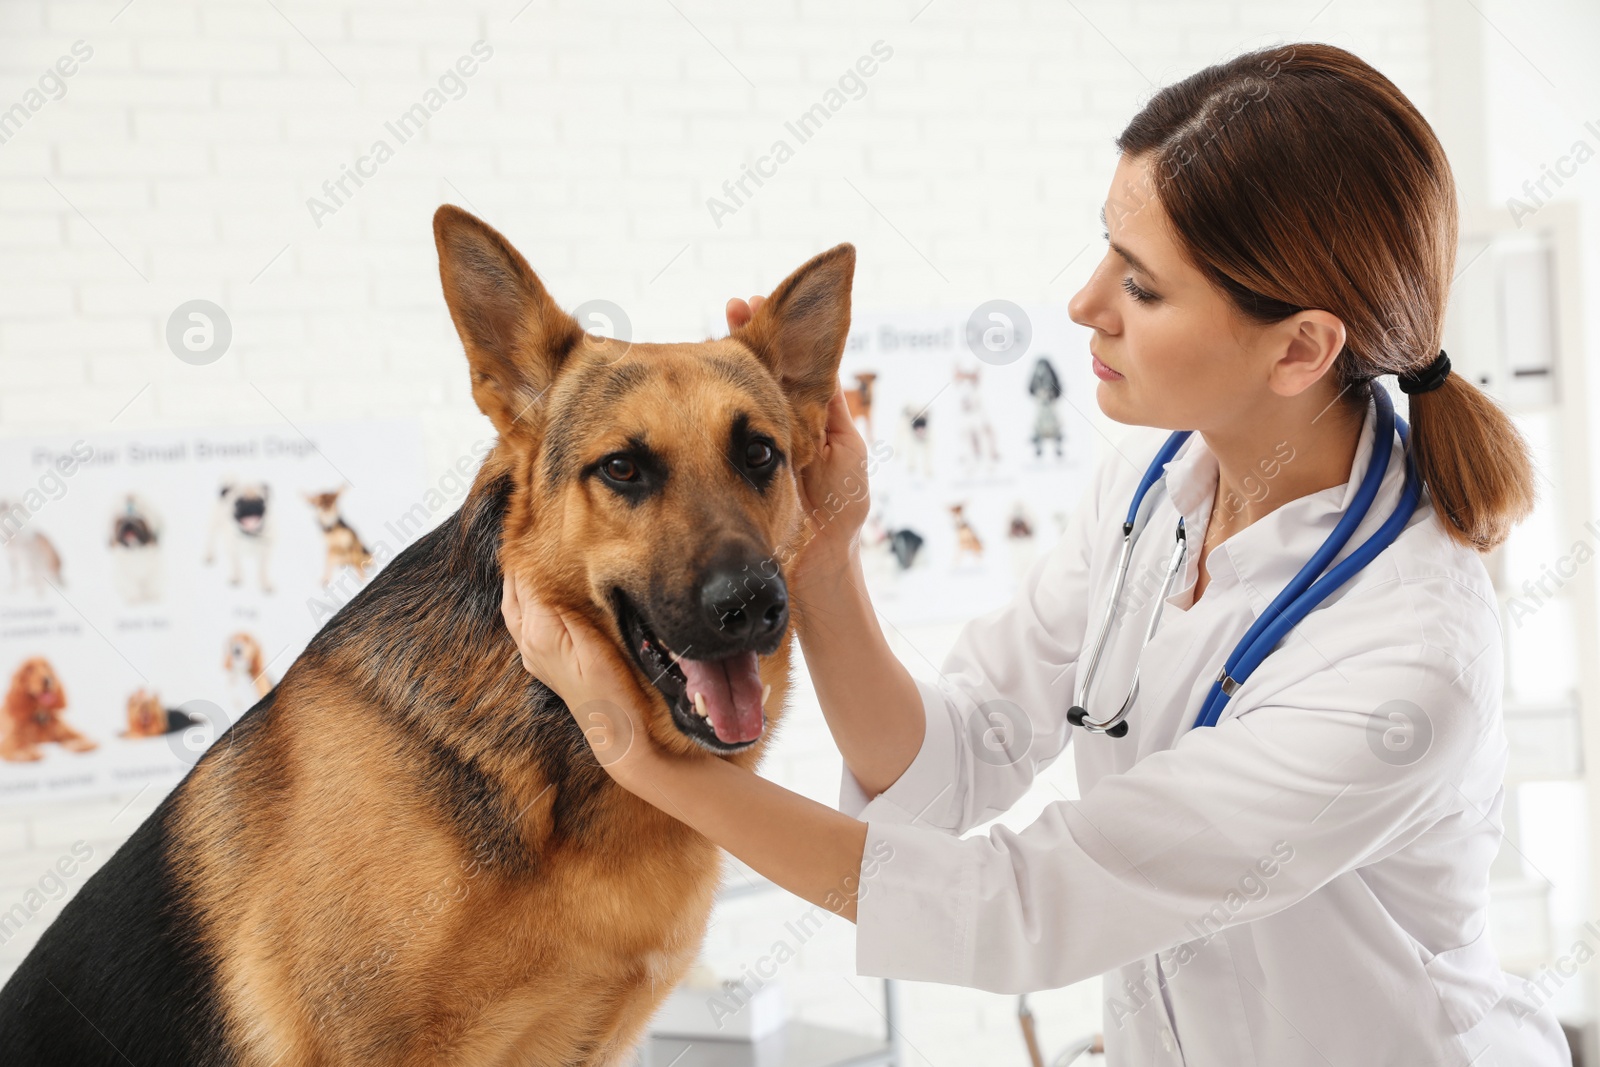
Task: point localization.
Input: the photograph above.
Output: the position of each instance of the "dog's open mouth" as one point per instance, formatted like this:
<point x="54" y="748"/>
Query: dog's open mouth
<point x="717" y="702"/>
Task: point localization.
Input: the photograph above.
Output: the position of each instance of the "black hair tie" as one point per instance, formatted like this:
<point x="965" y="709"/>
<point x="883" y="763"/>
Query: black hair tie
<point x="1428" y="378"/>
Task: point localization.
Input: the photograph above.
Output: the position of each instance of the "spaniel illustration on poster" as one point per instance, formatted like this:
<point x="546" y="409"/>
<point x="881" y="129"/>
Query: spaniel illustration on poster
<point x="33" y="712"/>
<point x="1045" y="388"/>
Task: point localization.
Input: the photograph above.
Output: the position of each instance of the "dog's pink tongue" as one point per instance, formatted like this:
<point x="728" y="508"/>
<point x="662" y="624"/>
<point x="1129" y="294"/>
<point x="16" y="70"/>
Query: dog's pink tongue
<point x="732" y="690"/>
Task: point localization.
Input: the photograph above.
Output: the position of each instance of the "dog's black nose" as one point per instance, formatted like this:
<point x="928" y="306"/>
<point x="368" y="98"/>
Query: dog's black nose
<point x="742" y="603"/>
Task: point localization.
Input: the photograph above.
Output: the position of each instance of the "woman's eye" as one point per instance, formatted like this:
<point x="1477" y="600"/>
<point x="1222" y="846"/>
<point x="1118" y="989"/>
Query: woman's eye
<point x="621" y="469"/>
<point x="758" y="454"/>
<point x="1141" y="295"/>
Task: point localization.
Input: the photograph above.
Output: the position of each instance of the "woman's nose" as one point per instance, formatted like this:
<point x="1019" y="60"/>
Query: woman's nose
<point x="1088" y="306"/>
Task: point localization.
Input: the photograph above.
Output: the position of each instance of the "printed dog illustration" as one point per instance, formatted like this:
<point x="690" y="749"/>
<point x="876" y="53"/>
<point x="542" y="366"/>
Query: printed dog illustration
<point x="1020" y="536"/>
<point x="407" y="853"/>
<point x="967" y="541"/>
<point x="892" y="549"/>
<point x="246" y="668"/>
<point x="916" y="443"/>
<point x="343" y="544"/>
<point x="241" y="519"/>
<point x="1045" y="388"/>
<point x="136" y="550"/>
<point x="858" y="401"/>
<point x="977" y="433"/>
<point x="28" y="552"/>
<point x="148" y="718"/>
<point x="32" y="717"/>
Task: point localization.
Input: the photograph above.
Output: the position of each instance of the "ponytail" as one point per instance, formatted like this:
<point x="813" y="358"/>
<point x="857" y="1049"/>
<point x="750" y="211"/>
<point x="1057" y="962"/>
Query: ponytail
<point x="1300" y="177"/>
<point x="1473" y="461"/>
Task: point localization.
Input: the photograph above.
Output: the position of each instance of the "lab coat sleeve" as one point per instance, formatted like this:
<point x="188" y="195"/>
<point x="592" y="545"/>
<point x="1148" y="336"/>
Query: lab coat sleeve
<point x="997" y="715"/>
<point x="1233" y="823"/>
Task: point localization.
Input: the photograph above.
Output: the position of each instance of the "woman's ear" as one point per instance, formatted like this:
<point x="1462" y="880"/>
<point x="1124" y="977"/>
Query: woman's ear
<point x="1311" y="342"/>
<point x="800" y="330"/>
<point x="515" y="335"/>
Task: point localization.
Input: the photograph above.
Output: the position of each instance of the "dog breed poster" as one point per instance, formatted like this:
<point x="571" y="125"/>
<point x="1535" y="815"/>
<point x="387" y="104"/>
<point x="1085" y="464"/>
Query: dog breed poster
<point x="979" y="449"/>
<point x="158" y="582"/>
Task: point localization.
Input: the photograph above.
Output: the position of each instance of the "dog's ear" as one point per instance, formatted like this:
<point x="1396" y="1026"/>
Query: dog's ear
<point x="514" y="334"/>
<point x="800" y="330"/>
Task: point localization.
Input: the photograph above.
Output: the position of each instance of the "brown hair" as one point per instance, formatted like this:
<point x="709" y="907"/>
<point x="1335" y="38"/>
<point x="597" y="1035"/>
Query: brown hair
<point x="1299" y="177"/>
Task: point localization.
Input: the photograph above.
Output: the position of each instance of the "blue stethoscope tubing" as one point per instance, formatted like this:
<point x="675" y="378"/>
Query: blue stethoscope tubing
<point x="1297" y="599"/>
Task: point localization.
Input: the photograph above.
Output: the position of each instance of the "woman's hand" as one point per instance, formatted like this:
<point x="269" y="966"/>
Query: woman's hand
<point x="585" y="670"/>
<point x="834" y="493"/>
<point x="833" y="486"/>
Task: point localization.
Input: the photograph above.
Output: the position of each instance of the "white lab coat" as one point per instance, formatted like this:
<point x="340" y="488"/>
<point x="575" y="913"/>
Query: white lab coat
<point x="1306" y="882"/>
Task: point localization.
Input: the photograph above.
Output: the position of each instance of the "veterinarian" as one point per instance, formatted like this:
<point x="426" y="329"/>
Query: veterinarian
<point x="1284" y="865"/>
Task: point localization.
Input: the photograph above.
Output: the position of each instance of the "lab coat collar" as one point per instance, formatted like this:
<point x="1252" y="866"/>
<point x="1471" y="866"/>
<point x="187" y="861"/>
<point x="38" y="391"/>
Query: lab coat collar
<point x="1264" y="556"/>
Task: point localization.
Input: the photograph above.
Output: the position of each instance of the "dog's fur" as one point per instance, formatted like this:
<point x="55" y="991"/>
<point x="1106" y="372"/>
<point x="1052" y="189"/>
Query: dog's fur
<point x="344" y="547"/>
<point x="407" y="853"/>
<point x="32" y="717"/>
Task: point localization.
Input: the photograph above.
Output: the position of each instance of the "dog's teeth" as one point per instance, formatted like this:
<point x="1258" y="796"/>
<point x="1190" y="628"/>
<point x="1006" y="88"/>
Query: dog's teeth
<point x="700" y="705"/>
<point x="765" y="693"/>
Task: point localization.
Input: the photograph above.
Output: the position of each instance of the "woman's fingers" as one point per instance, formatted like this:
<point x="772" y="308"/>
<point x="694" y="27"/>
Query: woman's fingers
<point x="740" y="312"/>
<point x="536" y="629"/>
<point x="510" y="608"/>
<point x="839" y="421"/>
<point x="559" y="648"/>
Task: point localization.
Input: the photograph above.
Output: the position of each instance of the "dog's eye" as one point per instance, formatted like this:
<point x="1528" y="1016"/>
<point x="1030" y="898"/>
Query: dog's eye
<point x="758" y="454"/>
<point x="621" y="469"/>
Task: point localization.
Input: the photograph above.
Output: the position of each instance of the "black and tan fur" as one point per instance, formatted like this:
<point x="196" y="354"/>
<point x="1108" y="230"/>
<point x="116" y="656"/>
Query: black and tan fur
<point x="406" y="852"/>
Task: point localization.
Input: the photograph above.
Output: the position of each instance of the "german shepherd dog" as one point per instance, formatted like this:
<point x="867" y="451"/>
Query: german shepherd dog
<point x="407" y="852"/>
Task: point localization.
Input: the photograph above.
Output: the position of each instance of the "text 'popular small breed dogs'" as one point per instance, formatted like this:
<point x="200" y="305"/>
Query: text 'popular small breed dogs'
<point x="406" y="852"/>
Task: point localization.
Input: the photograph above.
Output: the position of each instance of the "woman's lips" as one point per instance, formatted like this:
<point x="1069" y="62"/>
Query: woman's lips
<point x="1103" y="372"/>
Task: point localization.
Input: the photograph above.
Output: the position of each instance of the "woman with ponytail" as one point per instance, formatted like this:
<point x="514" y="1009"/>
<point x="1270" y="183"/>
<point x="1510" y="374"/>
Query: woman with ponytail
<point x="1304" y="880"/>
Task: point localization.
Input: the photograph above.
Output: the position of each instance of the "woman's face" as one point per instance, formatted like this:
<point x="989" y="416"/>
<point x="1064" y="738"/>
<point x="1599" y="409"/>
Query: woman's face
<point x="1183" y="357"/>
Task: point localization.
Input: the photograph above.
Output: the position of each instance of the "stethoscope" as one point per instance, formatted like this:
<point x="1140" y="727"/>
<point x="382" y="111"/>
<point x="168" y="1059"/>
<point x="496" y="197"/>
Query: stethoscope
<point x="1298" y="598"/>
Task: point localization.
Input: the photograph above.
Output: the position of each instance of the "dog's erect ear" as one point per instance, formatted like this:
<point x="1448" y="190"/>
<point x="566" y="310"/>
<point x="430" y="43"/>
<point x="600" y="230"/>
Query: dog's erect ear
<point x="514" y="334"/>
<point x="800" y="330"/>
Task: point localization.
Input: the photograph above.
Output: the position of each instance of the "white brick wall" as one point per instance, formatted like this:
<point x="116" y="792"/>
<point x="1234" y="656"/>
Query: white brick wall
<point x="178" y="163"/>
